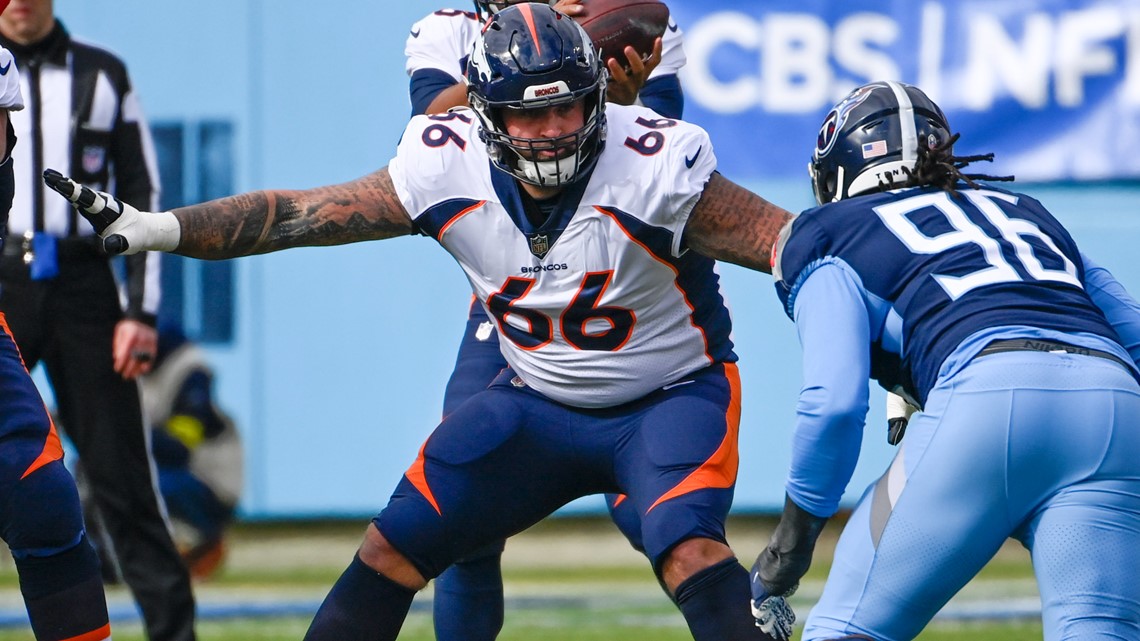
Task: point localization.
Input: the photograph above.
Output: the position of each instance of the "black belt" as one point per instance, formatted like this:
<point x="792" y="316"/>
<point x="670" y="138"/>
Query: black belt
<point x="1036" y="345"/>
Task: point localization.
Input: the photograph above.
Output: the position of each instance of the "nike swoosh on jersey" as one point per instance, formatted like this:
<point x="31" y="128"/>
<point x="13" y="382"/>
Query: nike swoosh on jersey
<point x="673" y="27"/>
<point x="678" y="384"/>
<point x="415" y="34"/>
<point x="5" y="68"/>
<point x="690" y="161"/>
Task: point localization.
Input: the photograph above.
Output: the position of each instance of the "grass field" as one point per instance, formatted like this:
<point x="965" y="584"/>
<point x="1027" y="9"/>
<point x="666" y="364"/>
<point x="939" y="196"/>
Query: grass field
<point x="566" y="580"/>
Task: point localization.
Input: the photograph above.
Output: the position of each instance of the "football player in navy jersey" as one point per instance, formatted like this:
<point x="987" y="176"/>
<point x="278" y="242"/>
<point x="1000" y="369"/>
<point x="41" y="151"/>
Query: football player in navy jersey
<point x="468" y="597"/>
<point x="588" y="232"/>
<point x="976" y="305"/>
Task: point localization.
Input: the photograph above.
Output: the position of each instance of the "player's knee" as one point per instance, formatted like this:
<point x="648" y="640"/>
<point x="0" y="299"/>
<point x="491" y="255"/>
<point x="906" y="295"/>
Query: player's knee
<point x="689" y="557"/>
<point x="42" y="512"/>
<point x="377" y="553"/>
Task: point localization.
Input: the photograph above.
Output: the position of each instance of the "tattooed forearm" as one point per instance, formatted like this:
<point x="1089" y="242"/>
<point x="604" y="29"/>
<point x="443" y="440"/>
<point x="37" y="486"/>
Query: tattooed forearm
<point x="266" y="221"/>
<point x="735" y="225"/>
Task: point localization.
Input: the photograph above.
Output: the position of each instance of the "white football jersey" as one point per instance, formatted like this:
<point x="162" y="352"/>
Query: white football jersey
<point x="10" y="97"/>
<point x="600" y="304"/>
<point x="443" y="40"/>
<point x="672" y="52"/>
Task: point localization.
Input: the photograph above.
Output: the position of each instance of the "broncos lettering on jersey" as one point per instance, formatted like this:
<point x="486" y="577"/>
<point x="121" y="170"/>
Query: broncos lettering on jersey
<point x="600" y="304"/>
<point x="986" y="258"/>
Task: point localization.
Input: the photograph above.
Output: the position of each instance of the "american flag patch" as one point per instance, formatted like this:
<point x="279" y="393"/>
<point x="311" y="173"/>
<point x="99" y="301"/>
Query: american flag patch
<point x="874" y="149"/>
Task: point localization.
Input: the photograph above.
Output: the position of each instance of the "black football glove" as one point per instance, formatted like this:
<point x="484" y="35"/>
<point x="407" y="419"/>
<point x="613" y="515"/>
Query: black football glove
<point x="778" y="569"/>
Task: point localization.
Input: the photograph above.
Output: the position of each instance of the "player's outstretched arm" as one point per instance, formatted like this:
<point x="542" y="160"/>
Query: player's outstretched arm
<point x="732" y="224"/>
<point x="253" y="223"/>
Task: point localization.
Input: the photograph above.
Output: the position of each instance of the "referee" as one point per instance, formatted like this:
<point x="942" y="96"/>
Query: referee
<point x="61" y="298"/>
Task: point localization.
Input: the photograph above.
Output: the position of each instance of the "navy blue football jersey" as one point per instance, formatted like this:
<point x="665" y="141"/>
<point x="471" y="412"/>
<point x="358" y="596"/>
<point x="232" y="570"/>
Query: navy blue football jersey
<point x="937" y="268"/>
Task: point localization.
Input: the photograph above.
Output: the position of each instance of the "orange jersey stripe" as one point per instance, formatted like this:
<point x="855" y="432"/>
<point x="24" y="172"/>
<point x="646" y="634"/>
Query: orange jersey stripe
<point x="99" y="634"/>
<point x="684" y="296"/>
<point x="53" y="450"/>
<point x="418" y="479"/>
<point x="719" y="470"/>
<point x="456" y="217"/>
<point x="8" y="332"/>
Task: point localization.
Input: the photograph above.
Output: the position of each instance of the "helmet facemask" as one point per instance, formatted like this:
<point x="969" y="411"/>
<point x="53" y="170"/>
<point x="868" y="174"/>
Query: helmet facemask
<point x="523" y="157"/>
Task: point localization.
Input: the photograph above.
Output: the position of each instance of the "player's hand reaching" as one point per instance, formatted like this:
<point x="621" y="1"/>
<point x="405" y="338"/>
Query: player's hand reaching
<point x="627" y="78"/>
<point x="572" y="8"/>
<point x="780" y="566"/>
<point x="124" y="229"/>
<point x="773" y="615"/>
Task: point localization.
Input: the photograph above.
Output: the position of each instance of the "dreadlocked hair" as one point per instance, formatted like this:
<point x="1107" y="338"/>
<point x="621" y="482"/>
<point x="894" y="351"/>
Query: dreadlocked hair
<point x="937" y="166"/>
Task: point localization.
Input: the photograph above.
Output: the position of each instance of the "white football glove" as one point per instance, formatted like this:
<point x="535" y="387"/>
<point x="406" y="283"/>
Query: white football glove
<point x="124" y="229"/>
<point x="774" y="616"/>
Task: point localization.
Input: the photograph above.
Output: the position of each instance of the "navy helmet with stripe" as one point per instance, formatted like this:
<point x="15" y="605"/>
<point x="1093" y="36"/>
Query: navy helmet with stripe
<point x="530" y="56"/>
<point x="870" y="136"/>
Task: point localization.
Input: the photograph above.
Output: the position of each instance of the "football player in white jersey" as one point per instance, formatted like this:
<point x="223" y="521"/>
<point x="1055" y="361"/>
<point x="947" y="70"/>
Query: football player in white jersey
<point x="588" y="232"/>
<point x="468" y="596"/>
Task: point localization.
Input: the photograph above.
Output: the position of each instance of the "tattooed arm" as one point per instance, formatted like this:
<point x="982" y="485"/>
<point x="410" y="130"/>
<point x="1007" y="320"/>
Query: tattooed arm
<point x="733" y="224"/>
<point x="254" y="223"/>
<point x="267" y="221"/>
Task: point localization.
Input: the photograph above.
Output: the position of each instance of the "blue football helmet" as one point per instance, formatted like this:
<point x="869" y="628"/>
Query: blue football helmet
<point x="530" y="56"/>
<point x="870" y="136"/>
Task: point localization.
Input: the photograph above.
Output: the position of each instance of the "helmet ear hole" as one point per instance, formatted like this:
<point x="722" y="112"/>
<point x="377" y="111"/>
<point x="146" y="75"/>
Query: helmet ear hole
<point x="823" y="183"/>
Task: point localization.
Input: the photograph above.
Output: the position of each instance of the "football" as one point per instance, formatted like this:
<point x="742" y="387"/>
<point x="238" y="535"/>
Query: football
<point x="615" y="24"/>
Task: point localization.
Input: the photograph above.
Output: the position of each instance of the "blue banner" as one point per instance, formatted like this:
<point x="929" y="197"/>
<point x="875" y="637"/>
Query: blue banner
<point x="1051" y="87"/>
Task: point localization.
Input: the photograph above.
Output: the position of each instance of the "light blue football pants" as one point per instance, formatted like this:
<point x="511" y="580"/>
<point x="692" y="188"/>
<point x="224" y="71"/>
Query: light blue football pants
<point x="1041" y="447"/>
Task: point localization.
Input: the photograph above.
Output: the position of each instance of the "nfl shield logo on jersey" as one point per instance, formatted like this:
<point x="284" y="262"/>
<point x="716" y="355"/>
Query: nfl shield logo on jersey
<point x="93" y="157"/>
<point x="539" y="244"/>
